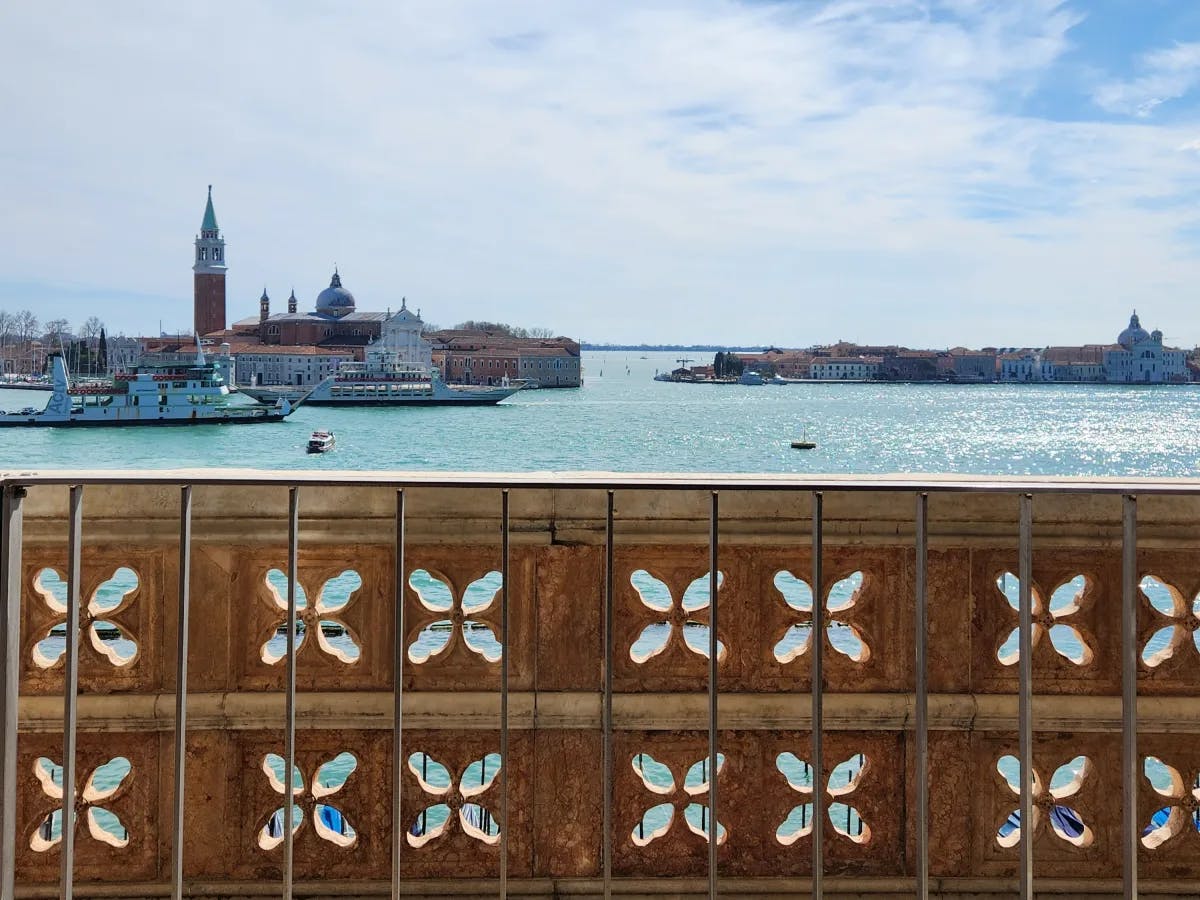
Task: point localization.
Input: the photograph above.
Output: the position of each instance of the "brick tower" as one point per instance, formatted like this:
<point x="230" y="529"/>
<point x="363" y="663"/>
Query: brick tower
<point x="210" y="274"/>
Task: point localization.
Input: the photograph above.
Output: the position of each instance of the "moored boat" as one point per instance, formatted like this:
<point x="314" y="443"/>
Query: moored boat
<point x="177" y="394"/>
<point x="387" y="379"/>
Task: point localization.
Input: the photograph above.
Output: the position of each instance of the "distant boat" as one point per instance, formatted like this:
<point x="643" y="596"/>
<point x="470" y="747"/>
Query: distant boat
<point x="750" y="377"/>
<point x="321" y="441"/>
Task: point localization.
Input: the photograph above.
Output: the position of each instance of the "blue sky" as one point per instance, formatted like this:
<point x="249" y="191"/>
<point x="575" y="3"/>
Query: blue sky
<point x="933" y="172"/>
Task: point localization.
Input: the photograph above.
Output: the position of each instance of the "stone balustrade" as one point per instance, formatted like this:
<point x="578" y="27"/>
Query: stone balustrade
<point x="543" y="806"/>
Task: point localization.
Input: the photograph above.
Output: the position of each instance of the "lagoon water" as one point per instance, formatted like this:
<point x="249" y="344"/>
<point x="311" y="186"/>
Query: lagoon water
<point x="621" y="420"/>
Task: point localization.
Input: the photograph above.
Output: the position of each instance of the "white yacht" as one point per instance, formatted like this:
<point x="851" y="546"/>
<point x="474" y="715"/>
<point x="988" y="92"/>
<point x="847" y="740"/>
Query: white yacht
<point x="322" y="441"/>
<point x="178" y="394"/>
<point x="388" y="378"/>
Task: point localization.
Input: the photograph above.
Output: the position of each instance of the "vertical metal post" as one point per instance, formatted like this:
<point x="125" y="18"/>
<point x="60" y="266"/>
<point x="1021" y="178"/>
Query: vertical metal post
<point x="10" y="679"/>
<point x="818" y="659"/>
<point x="289" y="733"/>
<point x="1025" y="693"/>
<point x="506" y="647"/>
<point x="1129" y="670"/>
<point x="607" y="722"/>
<point x="713" y="767"/>
<point x="922" y="697"/>
<point x="71" y="690"/>
<point x="181" y="676"/>
<point x="398" y="650"/>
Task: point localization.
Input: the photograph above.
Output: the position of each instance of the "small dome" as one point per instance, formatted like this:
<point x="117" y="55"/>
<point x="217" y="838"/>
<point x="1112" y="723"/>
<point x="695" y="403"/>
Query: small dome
<point x="1134" y="334"/>
<point x="335" y="300"/>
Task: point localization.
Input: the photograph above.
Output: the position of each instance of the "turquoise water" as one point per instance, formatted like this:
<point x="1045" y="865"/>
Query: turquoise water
<point x="622" y="420"/>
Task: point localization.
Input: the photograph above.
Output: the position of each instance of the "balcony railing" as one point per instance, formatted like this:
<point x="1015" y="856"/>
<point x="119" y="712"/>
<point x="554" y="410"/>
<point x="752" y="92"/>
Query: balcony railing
<point x="860" y="686"/>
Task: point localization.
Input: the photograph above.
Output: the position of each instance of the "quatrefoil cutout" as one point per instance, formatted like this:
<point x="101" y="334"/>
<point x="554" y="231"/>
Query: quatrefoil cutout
<point x="656" y="637"/>
<point x="840" y="603"/>
<point x="1065" y="821"/>
<point x="462" y="805"/>
<point x="1053" y="619"/>
<point x="310" y="801"/>
<point x="658" y="819"/>
<point x="462" y="621"/>
<point x="103" y="784"/>
<point x="335" y="637"/>
<point x="110" y="641"/>
<point x="844" y="780"/>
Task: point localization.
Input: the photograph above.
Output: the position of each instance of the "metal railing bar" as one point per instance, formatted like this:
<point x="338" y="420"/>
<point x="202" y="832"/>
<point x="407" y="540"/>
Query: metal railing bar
<point x="1025" y="691"/>
<point x="818" y="659"/>
<point x="921" y="690"/>
<point x="1129" y="670"/>
<point x="181" y="677"/>
<point x="505" y="651"/>
<point x="607" y="711"/>
<point x="71" y="690"/>
<point x="398" y="650"/>
<point x="714" y="769"/>
<point x="10" y="680"/>
<point x="569" y="481"/>
<point x="289" y="733"/>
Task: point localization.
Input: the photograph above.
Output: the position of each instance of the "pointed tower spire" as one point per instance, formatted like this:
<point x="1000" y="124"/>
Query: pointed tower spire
<point x="210" y="217"/>
<point x="208" y="264"/>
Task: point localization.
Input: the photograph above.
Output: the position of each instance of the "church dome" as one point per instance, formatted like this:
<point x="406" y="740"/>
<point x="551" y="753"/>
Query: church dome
<point x="1134" y="334"/>
<point x="335" y="300"/>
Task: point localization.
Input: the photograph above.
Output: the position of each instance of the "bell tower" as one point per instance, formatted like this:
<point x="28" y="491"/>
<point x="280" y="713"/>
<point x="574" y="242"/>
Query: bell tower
<point x="209" y="268"/>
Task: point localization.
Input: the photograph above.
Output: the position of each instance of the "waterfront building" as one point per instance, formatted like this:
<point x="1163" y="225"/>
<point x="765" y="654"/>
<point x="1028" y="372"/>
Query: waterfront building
<point x="961" y="364"/>
<point x="1084" y="363"/>
<point x="209" y="270"/>
<point x="256" y="365"/>
<point x="793" y="364"/>
<point x="484" y="357"/>
<point x="844" y="368"/>
<point x="909" y="365"/>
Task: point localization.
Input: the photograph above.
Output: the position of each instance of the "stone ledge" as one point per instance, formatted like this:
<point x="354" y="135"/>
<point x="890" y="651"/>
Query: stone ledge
<point x="631" y="712"/>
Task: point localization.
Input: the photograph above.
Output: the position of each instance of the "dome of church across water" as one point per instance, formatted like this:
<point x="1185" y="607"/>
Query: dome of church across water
<point x="335" y="300"/>
<point x="1134" y="334"/>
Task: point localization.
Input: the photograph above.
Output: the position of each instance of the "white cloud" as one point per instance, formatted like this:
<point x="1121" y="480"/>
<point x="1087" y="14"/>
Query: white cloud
<point x="1167" y="74"/>
<point x="669" y="171"/>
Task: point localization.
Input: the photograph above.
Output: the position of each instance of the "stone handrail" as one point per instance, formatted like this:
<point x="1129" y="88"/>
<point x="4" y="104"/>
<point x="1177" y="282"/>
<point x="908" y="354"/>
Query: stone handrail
<point x="552" y="789"/>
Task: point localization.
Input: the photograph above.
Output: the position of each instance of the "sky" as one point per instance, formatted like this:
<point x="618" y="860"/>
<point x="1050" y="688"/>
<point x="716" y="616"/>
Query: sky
<point x="923" y="172"/>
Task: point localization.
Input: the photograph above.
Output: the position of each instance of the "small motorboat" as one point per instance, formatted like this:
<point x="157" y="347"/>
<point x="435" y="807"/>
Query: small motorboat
<point x="320" y="442"/>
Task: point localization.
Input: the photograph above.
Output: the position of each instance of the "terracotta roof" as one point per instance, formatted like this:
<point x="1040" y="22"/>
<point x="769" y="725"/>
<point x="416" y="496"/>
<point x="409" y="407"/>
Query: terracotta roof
<point x="284" y="350"/>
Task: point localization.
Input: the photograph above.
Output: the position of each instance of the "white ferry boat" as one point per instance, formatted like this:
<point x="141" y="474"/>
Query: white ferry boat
<point x="149" y="395"/>
<point x="387" y="379"/>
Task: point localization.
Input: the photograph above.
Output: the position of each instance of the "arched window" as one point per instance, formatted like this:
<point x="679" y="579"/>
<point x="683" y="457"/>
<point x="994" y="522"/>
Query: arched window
<point x="204" y="253"/>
